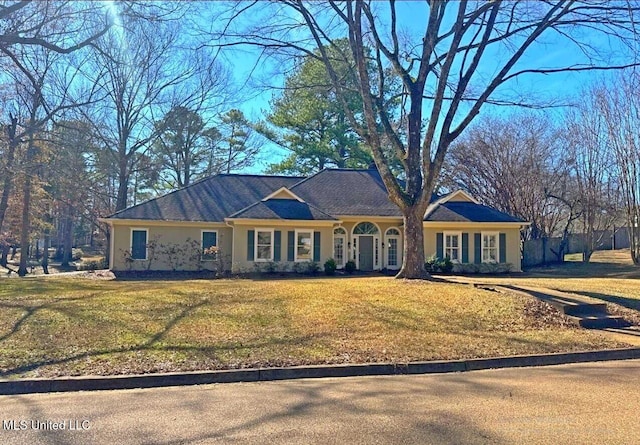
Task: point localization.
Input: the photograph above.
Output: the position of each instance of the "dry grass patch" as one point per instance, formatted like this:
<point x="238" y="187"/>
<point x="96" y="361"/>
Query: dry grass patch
<point x="64" y="326"/>
<point x="610" y="277"/>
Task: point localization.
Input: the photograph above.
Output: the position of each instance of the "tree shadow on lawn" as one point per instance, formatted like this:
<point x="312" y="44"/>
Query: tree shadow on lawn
<point x="32" y="310"/>
<point x="151" y="344"/>
<point x="629" y="303"/>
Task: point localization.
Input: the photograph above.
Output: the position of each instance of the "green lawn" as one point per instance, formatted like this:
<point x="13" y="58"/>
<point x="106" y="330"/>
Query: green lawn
<point x="74" y="326"/>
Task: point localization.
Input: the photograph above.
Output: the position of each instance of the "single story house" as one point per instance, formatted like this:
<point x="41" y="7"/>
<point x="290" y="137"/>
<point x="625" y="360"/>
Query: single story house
<point x="244" y="223"/>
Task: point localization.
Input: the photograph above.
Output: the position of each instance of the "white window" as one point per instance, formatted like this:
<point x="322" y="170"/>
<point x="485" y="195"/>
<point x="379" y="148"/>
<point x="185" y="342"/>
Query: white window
<point x="392" y="252"/>
<point x="304" y="245"/>
<point x="264" y="245"/>
<point x="453" y="246"/>
<point x="139" y="239"/>
<point x="209" y="245"/>
<point x="392" y="236"/>
<point x="339" y="246"/>
<point x="490" y="252"/>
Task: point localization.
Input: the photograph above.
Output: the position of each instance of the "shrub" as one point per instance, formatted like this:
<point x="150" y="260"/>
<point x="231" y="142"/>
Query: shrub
<point x="330" y="267"/>
<point x="438" y="265"/>
<point x="313" y="268"/>
<point x="466" y="268"/>
<point x="431" y="264"/>
<point x="445" y="265"/>
<point x="483" y="268"/>
<point x="350" y="267"/>
<point x="495" y="268"/>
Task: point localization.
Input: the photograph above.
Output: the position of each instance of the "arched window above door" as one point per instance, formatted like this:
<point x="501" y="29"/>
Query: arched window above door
<point x="365" y="228"/>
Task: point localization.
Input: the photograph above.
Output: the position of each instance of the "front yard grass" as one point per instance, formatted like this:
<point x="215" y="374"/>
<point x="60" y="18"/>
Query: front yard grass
<point x="74" y="326"/>
<point x="610" y="276"/>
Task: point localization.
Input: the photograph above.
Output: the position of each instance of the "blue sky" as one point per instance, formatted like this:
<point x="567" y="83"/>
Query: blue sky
<point x="552" y="51"/>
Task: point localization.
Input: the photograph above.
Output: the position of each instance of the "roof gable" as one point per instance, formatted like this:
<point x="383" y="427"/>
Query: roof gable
<point x="289" y="209"/>
<point x="283" y="193"/>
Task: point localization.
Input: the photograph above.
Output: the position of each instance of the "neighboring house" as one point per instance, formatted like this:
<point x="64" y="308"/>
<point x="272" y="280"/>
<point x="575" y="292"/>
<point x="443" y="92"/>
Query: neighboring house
<point x="274" y="222"/>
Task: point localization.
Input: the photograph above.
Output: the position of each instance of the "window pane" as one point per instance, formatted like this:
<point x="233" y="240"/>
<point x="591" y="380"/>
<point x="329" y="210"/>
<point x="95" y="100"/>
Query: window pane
<point x="303" y="246"/>
<point x="264" y="252"/>
<point x="365" y="228"/>
<point x="139" y="245"/>
<point x="264" y="237"/>
<point x="393" y="252"/>
<point x="209" y="239"/>
<point x="209" y="244"/>
<point x="338" y="250"/>
<point x="304" y="238"/>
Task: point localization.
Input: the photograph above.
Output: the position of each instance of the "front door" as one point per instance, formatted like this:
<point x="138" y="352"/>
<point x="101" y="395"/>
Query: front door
<point x="365" y="253"/>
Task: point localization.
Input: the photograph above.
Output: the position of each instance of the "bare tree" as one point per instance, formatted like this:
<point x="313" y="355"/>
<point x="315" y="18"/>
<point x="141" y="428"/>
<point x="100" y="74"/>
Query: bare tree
<point x="439" y="68"/>
<point x="595" y="192"/>
<point x="143" y="68"/>
<point x="56" y="27"/>
<point x="513" y="164"/>
<point x="618" y="103"/>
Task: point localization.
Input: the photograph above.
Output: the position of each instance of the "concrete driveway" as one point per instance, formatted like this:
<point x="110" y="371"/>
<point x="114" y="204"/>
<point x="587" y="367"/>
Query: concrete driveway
<point x="595" y="403"/>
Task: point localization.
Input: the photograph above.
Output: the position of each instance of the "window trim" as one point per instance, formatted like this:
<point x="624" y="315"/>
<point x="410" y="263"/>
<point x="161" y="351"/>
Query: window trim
<point x="146" y="244"/>
<point x="459" y="248"/>
<point x="255" y="246"/>
<point x="386" y="248"/>
<point x="345" y="249"/>
<point x="483" y="247"/>
<point x="295" y="247"/>
<point x="202" y="232"/>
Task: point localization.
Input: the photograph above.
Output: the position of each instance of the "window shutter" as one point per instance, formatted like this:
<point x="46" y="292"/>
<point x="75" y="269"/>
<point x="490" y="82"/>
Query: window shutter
<point x="503" y="247"/>
<point x="139" y="244"/>
<point x="465" y="247"/>
<point x="291" y="245"/>
<point x="439" y="243"/>
<point x="250" y="244"/>
<point x="477" y="248"/>
<point x="277" y="241"/>
<point x="316" y="246"/>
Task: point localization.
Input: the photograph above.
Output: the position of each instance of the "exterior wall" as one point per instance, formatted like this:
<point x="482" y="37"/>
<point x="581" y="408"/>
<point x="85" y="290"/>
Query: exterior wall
<point x="186" y="241"/>
<point x="241" y="264"/>
<point x="232" y="243"/>
<point x="513" y="255"/>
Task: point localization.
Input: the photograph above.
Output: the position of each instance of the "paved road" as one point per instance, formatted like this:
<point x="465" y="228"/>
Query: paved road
<point x="583" y="404"/>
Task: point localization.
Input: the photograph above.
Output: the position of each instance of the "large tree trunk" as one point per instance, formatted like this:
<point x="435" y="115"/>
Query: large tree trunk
<point x="8" y="174"/>
<point x="67" y="242"/>
<point x="4" y="254"/>
<point x="45" y="253"/>
<point x="24" y="235"/>
<point x="413" y="249"/>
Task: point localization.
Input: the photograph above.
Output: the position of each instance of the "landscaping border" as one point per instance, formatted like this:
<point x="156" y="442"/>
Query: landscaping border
<point x="96" y="383"/>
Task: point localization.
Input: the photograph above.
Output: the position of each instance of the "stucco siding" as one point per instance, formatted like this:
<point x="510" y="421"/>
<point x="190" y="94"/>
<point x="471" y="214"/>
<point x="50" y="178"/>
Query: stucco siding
<point x="512" y="234"/>
<point x="168" y="247"/>
<point x="243" y="264"/>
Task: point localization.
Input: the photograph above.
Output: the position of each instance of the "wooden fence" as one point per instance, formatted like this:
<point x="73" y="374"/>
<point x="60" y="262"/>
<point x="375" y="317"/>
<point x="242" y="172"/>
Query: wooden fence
<point x="544" y="250"/>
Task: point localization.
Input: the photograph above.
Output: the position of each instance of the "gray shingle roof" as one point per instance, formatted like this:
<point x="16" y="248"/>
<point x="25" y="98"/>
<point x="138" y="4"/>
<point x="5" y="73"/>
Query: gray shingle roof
<point x="347" y="192"/>
<point x="328" y="194"/>
<point x="283" y="209"/>
<point x="211" y="199"/>
<point x="468" y="212"/>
